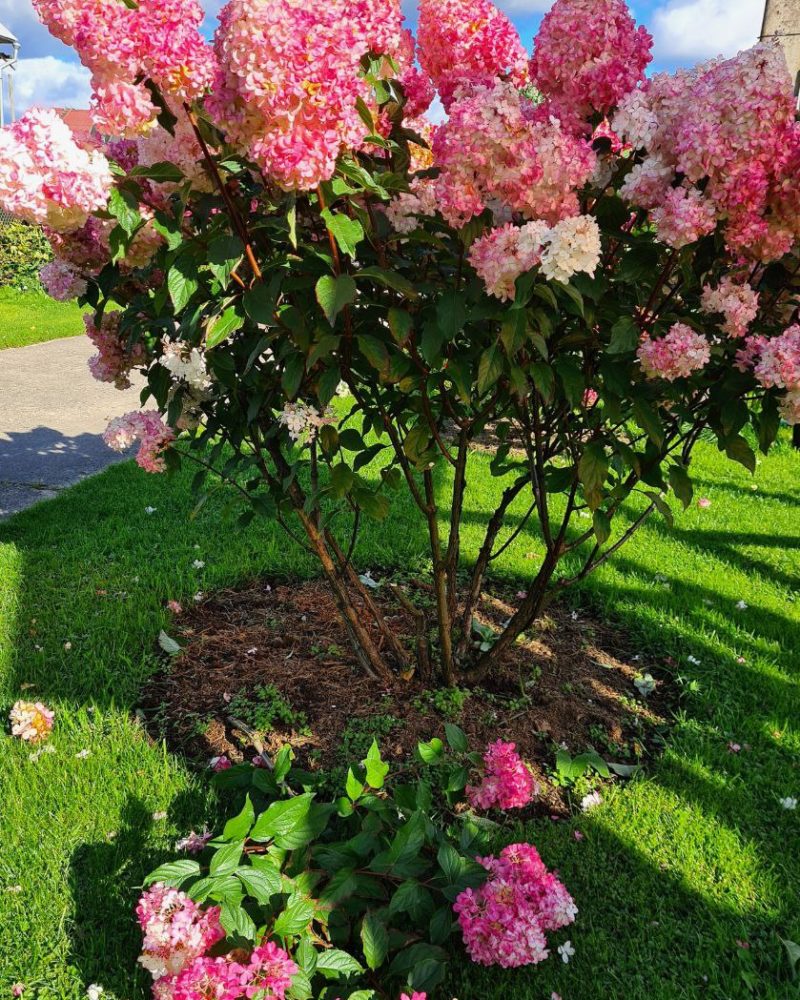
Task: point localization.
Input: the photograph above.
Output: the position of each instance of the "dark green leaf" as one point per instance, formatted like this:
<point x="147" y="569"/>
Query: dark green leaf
<point x="334" y="293"/>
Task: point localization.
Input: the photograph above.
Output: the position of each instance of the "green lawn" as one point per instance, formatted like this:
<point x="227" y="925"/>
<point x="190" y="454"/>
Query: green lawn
<point x="676" y="867"/>
<point x="31" y="317"/>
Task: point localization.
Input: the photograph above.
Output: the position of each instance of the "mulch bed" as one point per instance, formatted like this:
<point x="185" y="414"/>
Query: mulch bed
<point x="570" y="683"/>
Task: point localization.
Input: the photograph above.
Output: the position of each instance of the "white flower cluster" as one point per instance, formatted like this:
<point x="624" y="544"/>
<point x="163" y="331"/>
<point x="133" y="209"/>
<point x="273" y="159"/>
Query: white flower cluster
<point x="186" y="364"/>
<point x="573" y="246"/>
<point x="303" y="420"/>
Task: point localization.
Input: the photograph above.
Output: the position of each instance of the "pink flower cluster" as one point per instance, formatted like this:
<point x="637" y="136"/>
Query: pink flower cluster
<point x="148" y="428"/>
<point x="289" y="80"/>
<point x="125" y="45"/>
<point x="722" y="145"/>
<point x="778" y="365"/>
<point x="115" y="358"/>
<point x="676" y="355"/>
<point x="588" y="55"/>
<point x="736" y="301"/>
<point x="31" y="721"/>
<point x="463" y="42"/>
<point x="62" y="280"/>
<point x="46" y="177"/>
<point x="498" y="148"/>
<point x="504" y="922"/>
<point x="177" y="937"/>
<point x="506" y="783"/>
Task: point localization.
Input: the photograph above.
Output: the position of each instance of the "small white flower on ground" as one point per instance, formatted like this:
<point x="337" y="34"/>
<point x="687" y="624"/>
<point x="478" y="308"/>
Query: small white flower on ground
<point x="198" y="564"/>
<point x="734" y="747"/>
<point x="198" y="597"/>
<point x="694" y="660"/>
<point x="566" y="951"/>
<point x="742" y="605"/>
<point x="591" y="801"/>
<point x="94" y="992"/>
<point x="159" y="816"/>
<point x="83" y="754"/>
<point x="68" y="646"/>
<point x="789" y="802"/>
<point x="150" y="510"/>
<point x="14" y="888"/>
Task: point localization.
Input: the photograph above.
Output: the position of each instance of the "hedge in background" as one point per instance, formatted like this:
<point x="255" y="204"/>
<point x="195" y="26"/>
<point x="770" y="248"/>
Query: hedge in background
<point x="24" y="249"/>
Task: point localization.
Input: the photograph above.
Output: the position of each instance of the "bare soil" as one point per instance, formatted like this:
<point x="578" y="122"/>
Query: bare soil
<point x="570" y="683"/>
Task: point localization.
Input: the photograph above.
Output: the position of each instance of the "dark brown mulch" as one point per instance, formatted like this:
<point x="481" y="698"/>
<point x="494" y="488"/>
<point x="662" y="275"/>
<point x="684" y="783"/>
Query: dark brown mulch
<point x="570" y="682"/>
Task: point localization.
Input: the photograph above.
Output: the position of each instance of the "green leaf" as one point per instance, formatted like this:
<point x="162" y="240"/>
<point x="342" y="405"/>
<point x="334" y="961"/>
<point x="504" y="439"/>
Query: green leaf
<point x="224" y="254"/>
<point x="239" y="827"/>
<point x="124" y="206"/>
<point x="374" y="940"/>
<point x="296" y="916"/>
<point x="353" y="786"/>
<point x="401" y="324"/>
<point x="282" y="817"/>
<point x="259" y="304"/>
<point x="375" y="352"/>
<point x="347" y="232"/>
<point x="260" y="883"/>
<point x="793" y="954"/>
<point x="451" y="314"/>
<point x="543" y="379"/>
<point x="391" y="279"/>
<point x="456" y="737"/>
<point x="432" y="751"/>
<point x="222" y="327"/>
<point x="601" y="523"/>
<point x="342" y="479"/>
<point x="624" y="336"/>
<point x="740" y="451"/>
<point x="490" y="368"/>
<point x="336" y="963"/>
<point x="376" y="768"/>
<point x="681" y="484"/>
<point x="592" y="471"/>
<point x="174" y="873"/>
<point x="650" y="422"/>
<point x="226" y="860"/>
<point x="334" y="293"/>
<point x="182" y="282"/>
<point x="161" y="172"/>
<point x="661" y="506"/>
<point x="237" y="922"/>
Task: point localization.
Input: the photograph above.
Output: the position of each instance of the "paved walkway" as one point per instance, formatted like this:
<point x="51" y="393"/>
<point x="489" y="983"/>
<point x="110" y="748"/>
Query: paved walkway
<point x="52" y="416"/>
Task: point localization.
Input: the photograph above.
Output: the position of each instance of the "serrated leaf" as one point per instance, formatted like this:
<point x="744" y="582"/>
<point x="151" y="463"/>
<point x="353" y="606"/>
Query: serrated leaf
<point x="624" y="336"/>
<point x="295" y="917"/>
<point x="226" y="859"/>
<point x="238" y="827"/>
<point x="347" y="232"/>
<point x="490" y="368"/>
<point x="222" y="327"/>
<point x="740" y="451"/>
<point x="681" y="484"/>
<point x="182" y="282"/>
<point x="334" y="293"/>
<point x="237" y="922"/>
<point x="456" y="737"/>
<point x="174" y="873"/>
<point x="336" y="962"/>
<point x="601" y="523"/>
<point x="260" y="883"/>
<point x="374" y="940"/>
<point x="124" y="206"/>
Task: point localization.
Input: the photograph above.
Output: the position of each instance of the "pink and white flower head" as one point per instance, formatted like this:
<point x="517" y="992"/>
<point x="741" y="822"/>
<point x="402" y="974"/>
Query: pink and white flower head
<point x="678" y="354"/>
<point x="62" y="281"/>
<point x="221" y="763"/>
<point x="736" y="301"/>
<point x="270" y="972"/>
<point x="573" y="246"/>
<point x="148" y="428"/>
<point x="175" y="930"/>
<point x="115" y="358"/>
<point x="503" y="254"/>
<point x="46" y="177"/>
<point x="779" y="361"/>
<point x="507" y="782"/>
<point x="206" y="979"/>
<point x="589" y="54"/>
<point x="462" y="42"/>
<point x="497" y="146"/>
<point x="31" y="721"/>
<point x="504" y="922"/>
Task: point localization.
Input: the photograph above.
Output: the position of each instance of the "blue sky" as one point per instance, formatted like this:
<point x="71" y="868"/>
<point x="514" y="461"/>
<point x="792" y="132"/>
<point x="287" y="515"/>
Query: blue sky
<point x="685" y="32"/>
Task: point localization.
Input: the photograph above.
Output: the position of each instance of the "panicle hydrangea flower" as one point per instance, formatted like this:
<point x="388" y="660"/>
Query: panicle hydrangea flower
<point x="728" y="125"/>
<point x="462" y="42"/>
<point x="503" y="254"/>
<point x="589" y="54"/>
<point x="148" y="428"/>
<point x="506" y="783"/>
<point x="46" y="177"/>
<point x="124" y="46"/>
<point x="85" y="248"/>
<point x="209" y="979"/>
<point x="789" y="407"/>
<point x="289" y="78"/>
<point x="404" y="210"/>
<point x="181" y="149"/>
<point x="175" y="930"/>
<point x="186" y="364"/>
<point x="735" y="300"/>
<point x="498" y="145"/>
<point x="270" y="972"/>
<point x="62" y="281"/>
<point x="31" y="721"/>
<point x="573" y="246"/>
<point x="779" y="361"/>
<point x="678" y="354"/>
<point x="115" y="358"/>
<point x="683" y="216"/>
<point x="505" y="920"/>
<point x="303" y="420"/>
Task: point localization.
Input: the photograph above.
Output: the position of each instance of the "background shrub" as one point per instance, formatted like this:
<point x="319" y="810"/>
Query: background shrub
<point x="24" y="249"/>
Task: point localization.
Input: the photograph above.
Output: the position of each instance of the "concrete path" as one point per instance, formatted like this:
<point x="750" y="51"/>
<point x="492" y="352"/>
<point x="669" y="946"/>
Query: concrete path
<point x="52" y="416"/>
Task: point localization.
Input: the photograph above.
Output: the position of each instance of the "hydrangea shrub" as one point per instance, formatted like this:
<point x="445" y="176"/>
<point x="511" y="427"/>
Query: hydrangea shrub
<point x="358" y="897"/>
<point x="331" y="298"/>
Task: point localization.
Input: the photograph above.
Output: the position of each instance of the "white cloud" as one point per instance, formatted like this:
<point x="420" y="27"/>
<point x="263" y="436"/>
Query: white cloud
<point x="700" y="29"/>
<point x="50" y="82"/>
